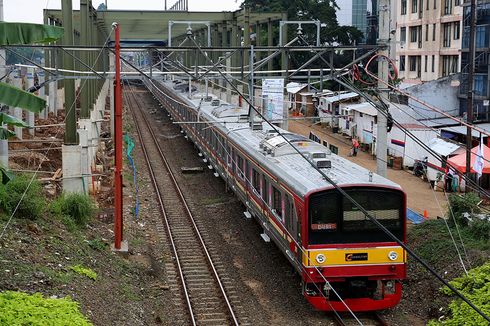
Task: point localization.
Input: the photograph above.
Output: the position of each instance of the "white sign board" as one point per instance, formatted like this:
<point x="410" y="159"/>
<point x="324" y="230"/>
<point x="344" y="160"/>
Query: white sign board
<point x="274" y="106"/>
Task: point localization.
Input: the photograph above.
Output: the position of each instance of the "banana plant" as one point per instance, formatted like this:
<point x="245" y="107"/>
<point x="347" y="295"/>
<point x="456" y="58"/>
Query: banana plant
<point x="13" y="34"/>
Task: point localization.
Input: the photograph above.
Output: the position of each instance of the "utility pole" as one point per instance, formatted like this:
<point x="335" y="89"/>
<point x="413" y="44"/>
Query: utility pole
<point x="4" y="147"/>
<point x="118" y="139"/>
<point x="384" y="33"/>
<point x="469" y="111"/>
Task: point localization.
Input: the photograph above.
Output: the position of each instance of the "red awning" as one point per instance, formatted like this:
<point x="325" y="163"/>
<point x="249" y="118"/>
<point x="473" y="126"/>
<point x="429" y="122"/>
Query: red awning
<point x="459" y="161"/>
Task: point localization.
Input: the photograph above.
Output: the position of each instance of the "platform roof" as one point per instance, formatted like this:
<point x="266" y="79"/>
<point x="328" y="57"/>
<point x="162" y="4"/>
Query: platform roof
<point x="146" y="25"/>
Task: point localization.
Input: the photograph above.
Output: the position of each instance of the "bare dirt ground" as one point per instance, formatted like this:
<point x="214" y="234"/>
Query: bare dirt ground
<point x="420" y="196"/>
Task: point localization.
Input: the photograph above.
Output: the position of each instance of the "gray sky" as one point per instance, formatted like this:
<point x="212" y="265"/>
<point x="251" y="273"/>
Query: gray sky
<point x="31" y="11"/>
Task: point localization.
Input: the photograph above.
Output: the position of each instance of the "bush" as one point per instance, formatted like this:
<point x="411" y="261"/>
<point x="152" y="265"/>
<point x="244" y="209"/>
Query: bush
<point x="480" y="229"/>
<point x="32" y="204"/>
<point x="460" y="204"/>
<point x="73" y="209"/>
<point x="20" y="308"/>
<point x="79" y="269"/>
<point x="476" y="287"/>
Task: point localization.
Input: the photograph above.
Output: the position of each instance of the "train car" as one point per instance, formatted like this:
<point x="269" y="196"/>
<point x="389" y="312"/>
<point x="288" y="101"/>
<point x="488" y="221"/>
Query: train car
<point x="344" y="260"/>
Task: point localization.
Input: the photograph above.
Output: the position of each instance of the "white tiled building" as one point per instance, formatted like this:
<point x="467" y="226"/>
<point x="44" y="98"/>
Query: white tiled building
<point x="428" y="35"/>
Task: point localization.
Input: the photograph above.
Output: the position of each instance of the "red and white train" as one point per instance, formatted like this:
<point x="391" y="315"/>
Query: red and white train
<point x="342" y="257"/>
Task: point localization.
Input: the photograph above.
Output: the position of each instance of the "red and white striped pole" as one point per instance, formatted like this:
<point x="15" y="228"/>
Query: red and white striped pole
<point x="118" y="139"/>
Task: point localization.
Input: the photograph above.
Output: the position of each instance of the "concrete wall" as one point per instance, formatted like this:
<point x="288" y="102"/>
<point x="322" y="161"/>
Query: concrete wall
<point x="441" y="93"/>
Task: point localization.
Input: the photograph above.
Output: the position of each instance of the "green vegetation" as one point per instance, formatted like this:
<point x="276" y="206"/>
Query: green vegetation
<point x="74" y="209"/>
<point x="476" y="287"/>
<point x="79" y="269"/>
<point x="433" y="237"/>
<point x="459" y="204"/>
<point x="20" y="308"/>
<point x="97" y="244"/>
<point x="32" y="204"/>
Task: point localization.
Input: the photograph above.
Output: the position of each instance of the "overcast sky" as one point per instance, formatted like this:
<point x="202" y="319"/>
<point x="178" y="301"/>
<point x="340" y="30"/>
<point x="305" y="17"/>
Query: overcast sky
<point x="32" y="10"/>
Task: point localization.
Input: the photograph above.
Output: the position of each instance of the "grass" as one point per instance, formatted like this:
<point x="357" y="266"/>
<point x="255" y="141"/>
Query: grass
<point x="30" y="205"/>
<point x="431" y="240"/>
<point x="74" y="209"/>
<point x="213" y="200"/>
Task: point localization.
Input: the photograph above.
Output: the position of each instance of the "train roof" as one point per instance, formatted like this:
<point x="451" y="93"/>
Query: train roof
<point x="271" y="150"/>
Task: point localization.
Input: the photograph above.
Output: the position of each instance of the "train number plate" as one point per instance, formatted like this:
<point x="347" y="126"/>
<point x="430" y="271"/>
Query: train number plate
<point x="356" y="256"/>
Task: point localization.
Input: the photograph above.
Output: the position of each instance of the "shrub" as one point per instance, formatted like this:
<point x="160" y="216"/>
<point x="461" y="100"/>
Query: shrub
<point x="480" y="229"/>
<point x="73" y="208"/>
<point x="476" y="287"/>
<point x="32" y="204"/>
<point x="20" y="308"/>
<point x="460" y="204"/>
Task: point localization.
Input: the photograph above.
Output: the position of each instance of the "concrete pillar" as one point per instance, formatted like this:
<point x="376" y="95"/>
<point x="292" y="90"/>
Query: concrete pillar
<point x="85" y="162"/>
<point x="258" y="54"/>
<point x="84" y="39"/>
<point x="224" y="44"/>
<point x="72" y="171"/>
<point x="68" y="63"/>
<point x="30" y="115"/>
<point x="17" y="82"/>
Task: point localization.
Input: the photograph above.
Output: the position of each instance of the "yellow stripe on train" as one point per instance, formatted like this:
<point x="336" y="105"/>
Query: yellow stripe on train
<point x="354" y="256"/>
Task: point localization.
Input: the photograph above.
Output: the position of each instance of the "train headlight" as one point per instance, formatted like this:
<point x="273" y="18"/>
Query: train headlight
<point x="320" y="258"/>
<point x="393" y="255"/>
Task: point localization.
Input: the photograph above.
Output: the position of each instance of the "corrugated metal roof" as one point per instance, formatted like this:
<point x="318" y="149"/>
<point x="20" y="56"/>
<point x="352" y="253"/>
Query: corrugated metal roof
<point x="461" y="130"/>
<point x="364" y="108"/>
<point x="341" y="97"/>
<point x="442" y="147"/>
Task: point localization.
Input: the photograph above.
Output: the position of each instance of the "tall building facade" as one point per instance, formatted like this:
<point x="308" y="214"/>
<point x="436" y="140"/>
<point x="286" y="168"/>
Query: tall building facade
<point x="359" y="15"/>
<point x="428" y="39"/>
<point x="481" y="82"/>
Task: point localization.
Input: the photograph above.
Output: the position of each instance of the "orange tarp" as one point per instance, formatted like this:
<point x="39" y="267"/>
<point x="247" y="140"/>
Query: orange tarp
<point x="459" y="161"/>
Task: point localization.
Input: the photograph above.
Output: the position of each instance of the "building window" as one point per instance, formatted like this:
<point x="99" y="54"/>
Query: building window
<point x="403" y="34"/>
<point x="412" y="61"/>
<point x="456" y="31"/>
<point x="425" y="63"/>
<point x="414" y="6"/>
<point x="413" y="34"/>
<point x="448" y="7"/>
<point x="421" y="7"/>
<point x="427" y="5"/>
<point x="427" y="32"/>
<point x="482" y="36"/>
<point x="433" y="63"/>
<point x="446" y="35"/>
<point x="433" y="32"/>
<point x="435" y="4"/>
<point x="402" y="63"/>
<point x="449" y="64"/>
<point x="404" y="7"/>
<point x="456" y="3"/>
<point x="480" y="84"/>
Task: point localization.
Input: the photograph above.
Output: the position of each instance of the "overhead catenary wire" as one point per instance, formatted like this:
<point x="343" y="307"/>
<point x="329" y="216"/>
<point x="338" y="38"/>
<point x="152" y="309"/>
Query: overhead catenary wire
<point x="365" y="212"/>
<point x="249" y="182"/>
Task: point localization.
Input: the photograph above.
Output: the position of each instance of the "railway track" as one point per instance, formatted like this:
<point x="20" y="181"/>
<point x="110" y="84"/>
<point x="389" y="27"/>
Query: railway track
<point x="366" y="319"/>
<point x="201" y="285"/>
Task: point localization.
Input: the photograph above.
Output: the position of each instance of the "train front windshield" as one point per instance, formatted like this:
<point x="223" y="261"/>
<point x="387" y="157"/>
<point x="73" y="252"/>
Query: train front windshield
<point x="335" y="219"/>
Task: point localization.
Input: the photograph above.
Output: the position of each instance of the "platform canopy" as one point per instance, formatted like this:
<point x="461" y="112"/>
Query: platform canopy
<point x="459" y="161"/>
<point x="152" y="26"/>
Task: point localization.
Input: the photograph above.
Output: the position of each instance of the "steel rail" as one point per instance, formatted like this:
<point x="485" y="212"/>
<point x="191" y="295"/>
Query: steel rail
<point x="190" y="215"/>
<point x="164" y="213"/>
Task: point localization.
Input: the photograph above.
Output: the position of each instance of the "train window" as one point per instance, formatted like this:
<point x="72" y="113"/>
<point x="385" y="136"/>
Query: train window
<point x="228" y="154"/>
<point x="239" y="164"/>
<point x="288" y="211"/>
<point x="256" y="181"/>
<point x="277" y="201"/>
<point x="265" y="190"/>
<point x="233" y="159"/>
<point x="335" y="219"/>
